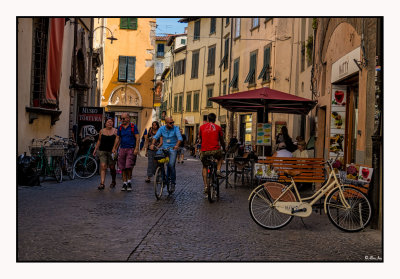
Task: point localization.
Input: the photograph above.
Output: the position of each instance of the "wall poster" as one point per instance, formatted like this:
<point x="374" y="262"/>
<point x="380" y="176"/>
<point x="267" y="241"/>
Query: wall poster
<point x="338" y="121"/>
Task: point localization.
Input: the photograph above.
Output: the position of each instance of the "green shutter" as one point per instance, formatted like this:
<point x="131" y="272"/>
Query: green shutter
<point x="132" y="23"/>
<point x="131" y="68"/>
<point x="123" y="23"/>
<point x="122" y="68"/>
<point x="175" y="103"/>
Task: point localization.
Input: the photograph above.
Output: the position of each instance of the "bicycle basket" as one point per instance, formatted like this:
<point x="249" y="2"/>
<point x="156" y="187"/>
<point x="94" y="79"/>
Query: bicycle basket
<point x="35" y="150"/>
<point x="344" y="180"/>
<point x="54" y="151"/>
<point x="161" y="158"/>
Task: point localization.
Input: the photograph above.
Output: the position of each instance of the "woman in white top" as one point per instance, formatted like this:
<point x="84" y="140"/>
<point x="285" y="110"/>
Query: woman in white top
<point x="301" y="152"/>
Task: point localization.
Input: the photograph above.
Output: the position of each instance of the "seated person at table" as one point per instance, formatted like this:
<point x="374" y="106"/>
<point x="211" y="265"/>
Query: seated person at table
<point x="301" y="152"/>
<point x="282" y="151"/>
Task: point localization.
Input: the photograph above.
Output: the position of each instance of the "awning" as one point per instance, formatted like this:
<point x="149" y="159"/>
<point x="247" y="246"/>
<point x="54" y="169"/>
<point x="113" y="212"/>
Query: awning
<point x="265" y="98"/>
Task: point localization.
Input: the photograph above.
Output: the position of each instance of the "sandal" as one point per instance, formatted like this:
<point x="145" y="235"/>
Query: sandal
<point x="147" y="180"/>
<point x="101" y="187"/>
<point x="112" y="185"/>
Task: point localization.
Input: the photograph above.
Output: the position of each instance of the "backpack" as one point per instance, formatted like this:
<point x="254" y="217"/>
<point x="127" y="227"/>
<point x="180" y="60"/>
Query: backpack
<point x="132" y="128"/>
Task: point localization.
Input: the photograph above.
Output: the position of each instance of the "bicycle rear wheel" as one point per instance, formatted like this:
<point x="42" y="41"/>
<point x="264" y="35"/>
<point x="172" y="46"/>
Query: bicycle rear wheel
<point x="261" y="209"/>
<point x="354" y="218"/>
<point x="57" y="169"/>
<point x="213" y="188"/>
<point x="158" y="183"/>
<point x="85" y="166"/>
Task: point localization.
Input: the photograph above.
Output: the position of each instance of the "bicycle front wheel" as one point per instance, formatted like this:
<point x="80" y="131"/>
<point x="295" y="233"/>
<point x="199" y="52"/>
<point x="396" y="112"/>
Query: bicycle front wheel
<point x="158" y="183"/>
<point x="350" y="212"/>
<point x="261" y="206"/>
<point x="85" y="166"/>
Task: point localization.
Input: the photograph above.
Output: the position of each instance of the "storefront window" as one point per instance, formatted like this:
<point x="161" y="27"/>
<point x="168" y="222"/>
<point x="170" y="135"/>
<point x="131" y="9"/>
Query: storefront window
<point x="245" y="128"/>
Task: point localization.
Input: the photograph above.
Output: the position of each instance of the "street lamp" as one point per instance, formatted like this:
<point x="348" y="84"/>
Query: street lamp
<point x="112" y="38"/>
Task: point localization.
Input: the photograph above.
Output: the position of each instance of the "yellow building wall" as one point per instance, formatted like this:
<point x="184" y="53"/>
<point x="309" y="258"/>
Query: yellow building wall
<point x="138" y="43"/>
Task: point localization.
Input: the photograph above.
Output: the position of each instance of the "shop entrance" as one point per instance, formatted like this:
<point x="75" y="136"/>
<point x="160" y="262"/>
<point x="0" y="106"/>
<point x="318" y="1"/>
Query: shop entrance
<point x="189" y="132"/>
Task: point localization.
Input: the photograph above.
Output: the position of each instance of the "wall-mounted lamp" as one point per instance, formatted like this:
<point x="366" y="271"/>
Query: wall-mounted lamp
<point x="112" y="38"/>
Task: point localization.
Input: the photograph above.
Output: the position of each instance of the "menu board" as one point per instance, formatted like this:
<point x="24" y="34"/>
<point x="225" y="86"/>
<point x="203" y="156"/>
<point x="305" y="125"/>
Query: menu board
<point x="264" y="134"/>
<point x="338" y="121"/>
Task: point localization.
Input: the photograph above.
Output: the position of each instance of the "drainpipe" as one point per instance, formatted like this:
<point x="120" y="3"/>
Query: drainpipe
<point x="230" y="114"/>
<point x="91" y="90"/>
<point x="220" y="70"/>
<point x="376" y="189"/>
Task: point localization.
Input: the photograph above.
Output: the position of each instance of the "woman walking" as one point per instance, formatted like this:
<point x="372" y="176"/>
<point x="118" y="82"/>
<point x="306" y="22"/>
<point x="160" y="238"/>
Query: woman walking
<point x="151" y="165"/>
<point x="103" y="148"/>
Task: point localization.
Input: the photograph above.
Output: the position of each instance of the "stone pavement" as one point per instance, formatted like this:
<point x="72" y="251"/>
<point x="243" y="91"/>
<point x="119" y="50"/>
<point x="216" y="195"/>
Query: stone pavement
<point x="73" y="221"/>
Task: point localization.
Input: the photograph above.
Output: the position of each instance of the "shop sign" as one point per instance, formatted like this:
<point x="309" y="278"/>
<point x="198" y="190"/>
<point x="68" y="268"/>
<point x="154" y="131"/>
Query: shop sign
<point x="189" y="120"/>
<point x="345" y="66"/>
<point x="90" y="121"/>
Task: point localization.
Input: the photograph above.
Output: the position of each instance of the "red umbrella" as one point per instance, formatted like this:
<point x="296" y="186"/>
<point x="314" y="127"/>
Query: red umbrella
<point x="265" y="98"/>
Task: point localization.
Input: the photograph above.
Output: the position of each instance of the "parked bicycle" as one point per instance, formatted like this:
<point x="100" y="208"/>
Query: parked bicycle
<point x="48" y="157"/>
<point x="85" y="166"/>
<point x="160" y="180"/>
<point x="272" y="205"/>
<point x="70" y="150"/>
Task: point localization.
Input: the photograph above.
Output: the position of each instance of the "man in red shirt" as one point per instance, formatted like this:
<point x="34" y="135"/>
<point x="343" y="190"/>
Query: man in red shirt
<point x="212" y="139"/>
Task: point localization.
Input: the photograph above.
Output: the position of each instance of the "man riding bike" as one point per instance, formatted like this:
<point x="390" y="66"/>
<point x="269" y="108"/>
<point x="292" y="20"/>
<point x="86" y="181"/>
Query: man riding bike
<point x="171" y="138"/>
<point x="211" y="139"/>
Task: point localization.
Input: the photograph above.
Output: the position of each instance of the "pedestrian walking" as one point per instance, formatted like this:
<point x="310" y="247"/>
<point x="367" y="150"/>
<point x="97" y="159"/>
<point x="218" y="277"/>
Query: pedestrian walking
<point x="103" y="149"/>
<point x="128" y="141"/>
<point x="181" y="150"/>
<point x="151" y="164"/>
<point x="171" y="138"/>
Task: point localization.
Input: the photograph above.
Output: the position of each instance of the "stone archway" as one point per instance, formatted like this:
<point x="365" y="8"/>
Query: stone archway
<point x="125" y="95"/>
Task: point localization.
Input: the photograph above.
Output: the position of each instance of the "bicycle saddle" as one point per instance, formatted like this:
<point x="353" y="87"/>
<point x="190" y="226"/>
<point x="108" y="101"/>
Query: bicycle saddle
<point x="291" y="173"/>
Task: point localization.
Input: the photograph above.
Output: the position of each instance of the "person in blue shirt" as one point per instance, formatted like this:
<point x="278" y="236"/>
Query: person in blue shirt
<point x="171" y="138"/>
<point x="128" y="140"/>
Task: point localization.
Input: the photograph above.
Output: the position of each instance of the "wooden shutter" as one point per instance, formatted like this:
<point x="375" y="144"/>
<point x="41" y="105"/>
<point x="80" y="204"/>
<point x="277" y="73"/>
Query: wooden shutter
<point x="131" y="68"/>
<point x="123" y="23"/>
<point x="122" y="68"/>
<point x="132" y="23"/>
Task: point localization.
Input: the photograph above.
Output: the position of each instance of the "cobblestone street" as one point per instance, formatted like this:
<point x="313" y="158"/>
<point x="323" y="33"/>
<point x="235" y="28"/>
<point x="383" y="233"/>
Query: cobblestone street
<point x="73" y="221"/>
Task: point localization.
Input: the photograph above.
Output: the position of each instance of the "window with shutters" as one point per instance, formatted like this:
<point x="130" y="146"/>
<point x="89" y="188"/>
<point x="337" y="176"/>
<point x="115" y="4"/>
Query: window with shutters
<point x="224" y="60"/>
<point x="212" y="25"/>
<point x="128" y="23"/>
<point x="237" y="28"/>
<point x="224" y="88"/>
<point x="251" y="76"/>
<point x="211" y="61"/>
<point x="235" y="78"/>
<point x="160" y="50"/>
<point x="255" y="22"/>
<point x="195" y="64"/>
<point x="196" y="98"/>
<point x="180" y="102"/>
<point x="227" y="21"/>
<point x="126" y="68"/>
<point x="189" y="101"/>
<point x="176" y="103"/>
<point x="209" y="95"/>
<point x="179" y="67"/>
<point x="266" y="70"/>
<point x="196" y="35"/>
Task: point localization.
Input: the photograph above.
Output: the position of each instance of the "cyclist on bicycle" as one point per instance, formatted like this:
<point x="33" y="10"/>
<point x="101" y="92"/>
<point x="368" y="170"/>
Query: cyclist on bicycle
<point x="211" y="139"/>
<point x="171" y="138"/>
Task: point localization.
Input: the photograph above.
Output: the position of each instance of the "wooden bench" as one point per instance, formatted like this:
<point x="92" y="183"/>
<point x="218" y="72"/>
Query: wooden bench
<point x="312" y="169"/>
